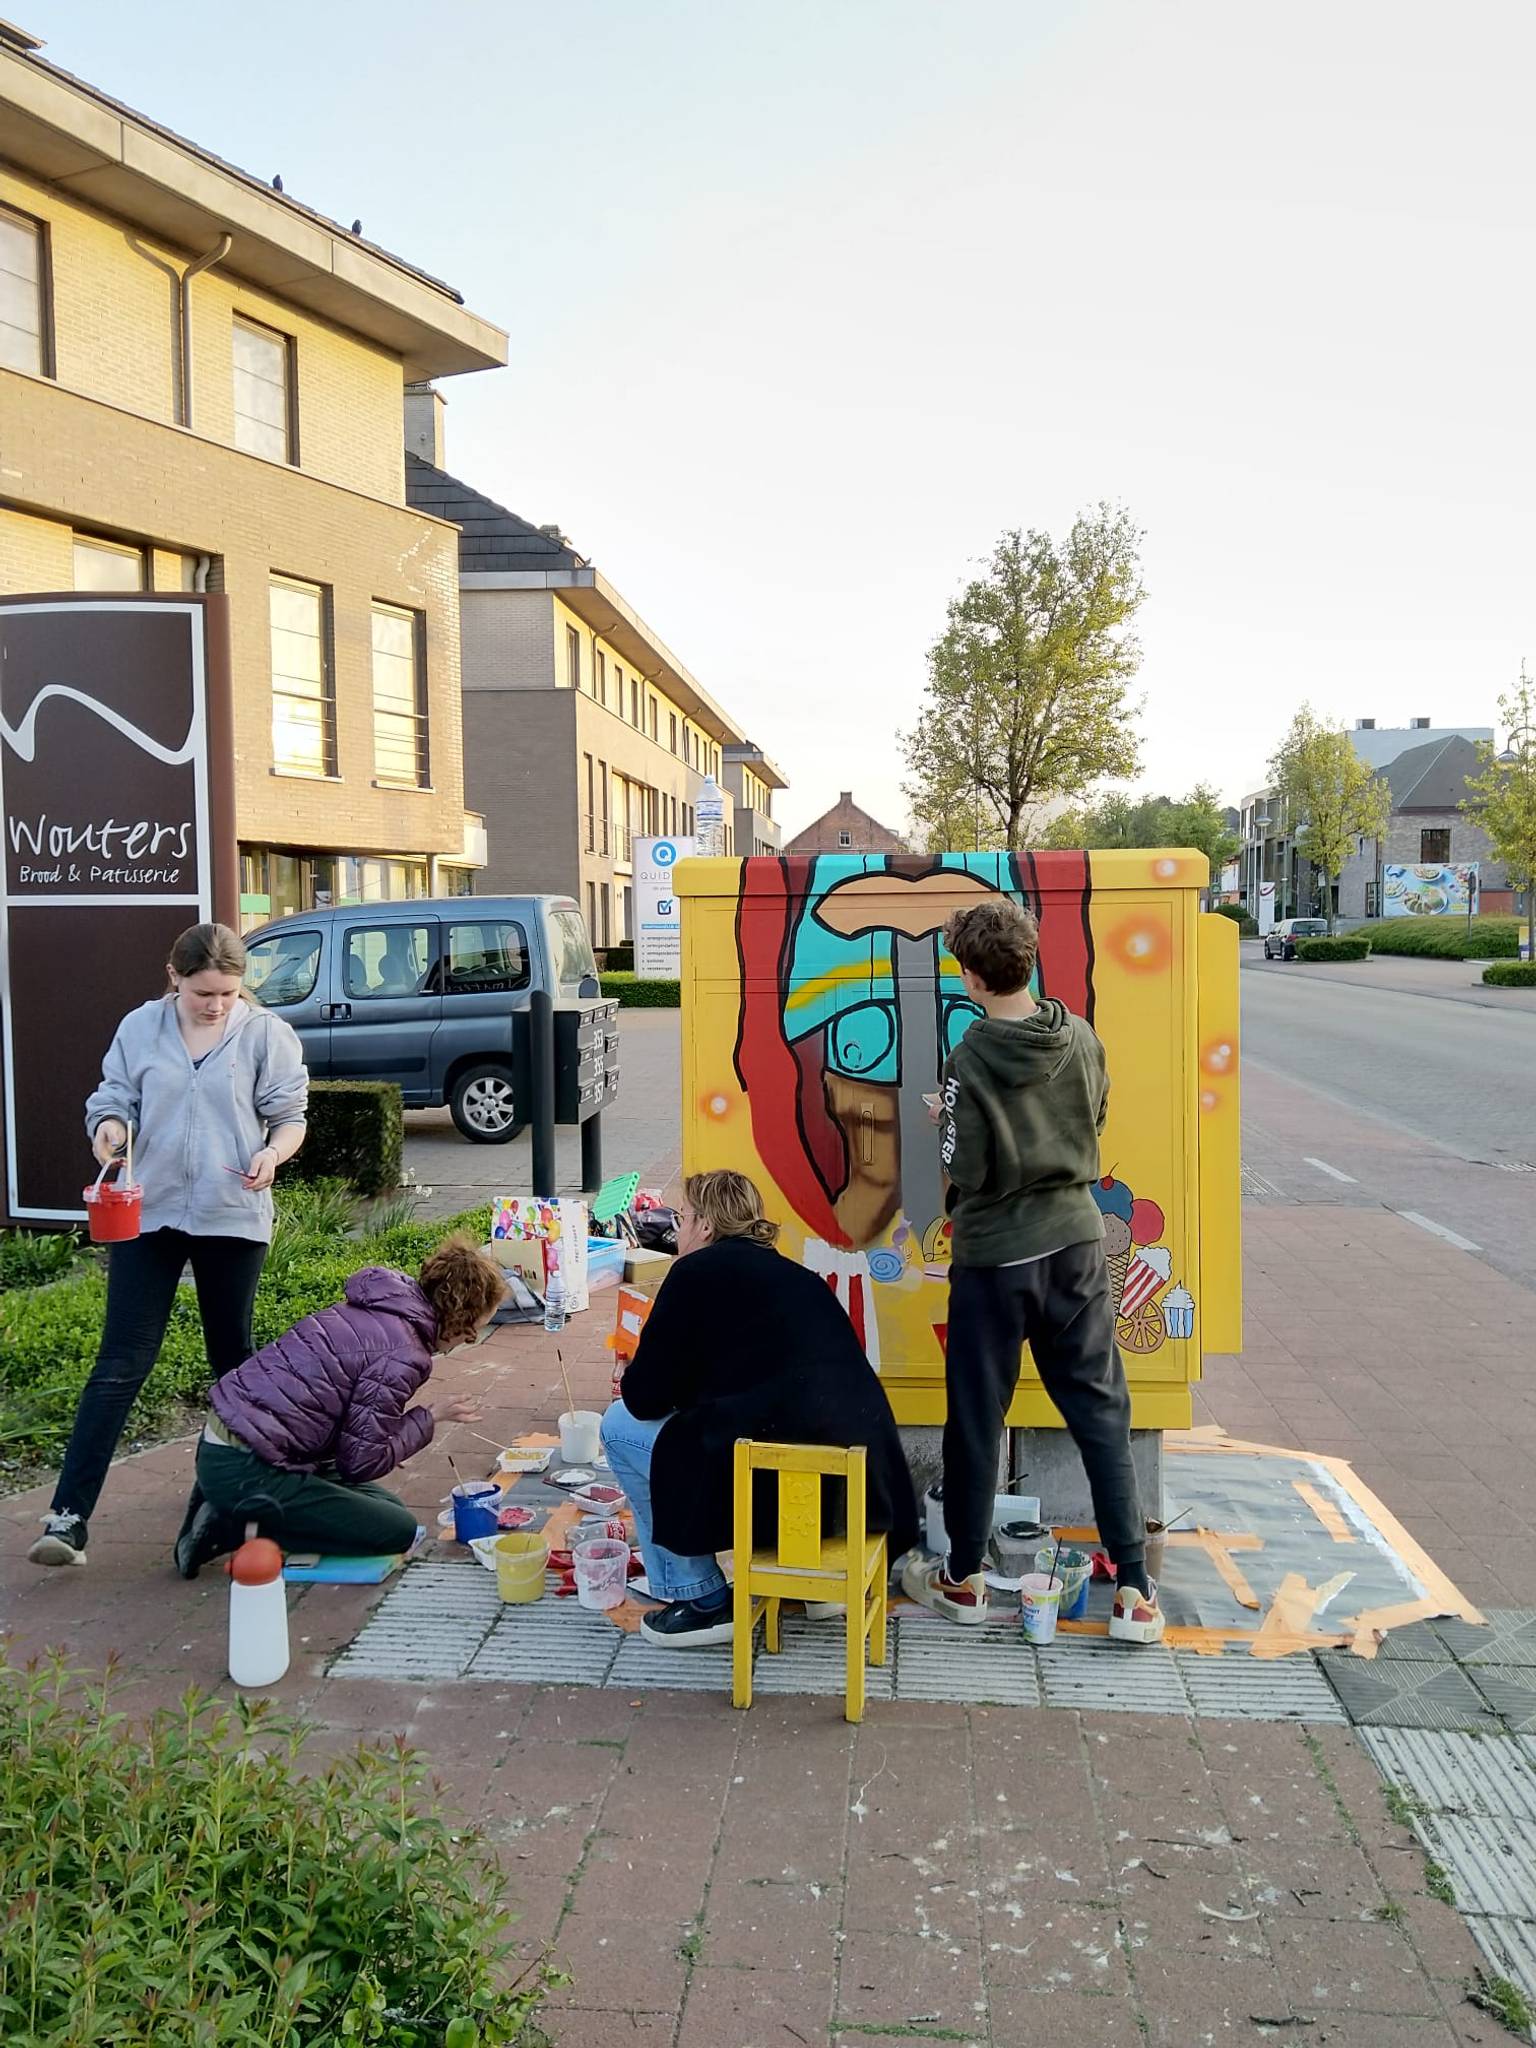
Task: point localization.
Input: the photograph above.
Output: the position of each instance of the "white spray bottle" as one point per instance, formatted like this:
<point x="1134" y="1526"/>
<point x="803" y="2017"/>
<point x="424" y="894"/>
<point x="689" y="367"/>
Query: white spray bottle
<point x="258" y="1612"/>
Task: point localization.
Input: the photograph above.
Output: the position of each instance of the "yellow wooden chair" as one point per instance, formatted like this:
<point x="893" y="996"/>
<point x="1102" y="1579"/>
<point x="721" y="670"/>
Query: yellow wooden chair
<point x="805" y="1565"/>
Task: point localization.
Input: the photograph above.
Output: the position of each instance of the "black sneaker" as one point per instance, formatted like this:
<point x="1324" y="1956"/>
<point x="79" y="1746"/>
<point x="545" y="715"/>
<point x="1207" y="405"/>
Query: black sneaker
<point x="204" y="1536"/>
<point x="62" y="1541"/>
<point x="685" y="1625"/>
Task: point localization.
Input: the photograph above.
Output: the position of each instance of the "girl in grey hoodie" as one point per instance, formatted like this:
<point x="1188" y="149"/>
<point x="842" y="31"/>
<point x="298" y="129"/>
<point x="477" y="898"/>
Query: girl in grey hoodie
<point x="215" y="1091"/>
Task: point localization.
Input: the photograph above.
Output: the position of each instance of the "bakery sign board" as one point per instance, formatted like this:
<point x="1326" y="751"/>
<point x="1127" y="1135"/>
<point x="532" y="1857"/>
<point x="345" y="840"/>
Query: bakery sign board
<point x="117" y="815"/>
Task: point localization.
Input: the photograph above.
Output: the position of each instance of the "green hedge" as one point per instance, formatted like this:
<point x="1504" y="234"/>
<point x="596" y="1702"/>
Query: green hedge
<point x="1333" y="949"/>
<point x="1511" y="974"/>
<point x="356" y="1134"/>
<point x="199" y="1879"/>
<point x="1247" y="926"/>
<point x="1444" y="938"/>
<point x="633" y="993"/>
<point x="619" y="959"/>
<point x="49" y="1335"/>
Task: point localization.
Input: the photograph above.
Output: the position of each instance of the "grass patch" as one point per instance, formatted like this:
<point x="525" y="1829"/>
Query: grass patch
<point x="1330" y="1784"/>
<point x="1403" y="1808"/>
<point x="1506" y="2001"/>
<point x="49" y="1335"/>
<point x="1437" y="1882"/>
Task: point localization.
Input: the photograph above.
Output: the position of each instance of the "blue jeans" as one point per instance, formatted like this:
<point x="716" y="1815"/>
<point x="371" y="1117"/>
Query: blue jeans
<point x="629" y="1443"/>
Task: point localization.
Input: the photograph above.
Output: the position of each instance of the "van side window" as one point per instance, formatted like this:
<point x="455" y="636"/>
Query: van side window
<point x="282" y="969"/>
<point x="485" y="959"/>
<point x="387" y="960"/>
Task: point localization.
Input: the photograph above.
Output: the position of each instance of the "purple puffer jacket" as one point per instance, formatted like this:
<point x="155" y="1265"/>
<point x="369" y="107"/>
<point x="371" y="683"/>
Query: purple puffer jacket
<point x="332" y="1390"/>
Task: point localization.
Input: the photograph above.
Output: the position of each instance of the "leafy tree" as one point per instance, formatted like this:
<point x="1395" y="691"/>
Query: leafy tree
<point x="1330" y="794"/>
<point x="1201" y="821"/>
<point x="1118" y="820"/>
<point x="1504" y="798"/>
<point x="1027" y="683"/>
<point x="952" y="815"/>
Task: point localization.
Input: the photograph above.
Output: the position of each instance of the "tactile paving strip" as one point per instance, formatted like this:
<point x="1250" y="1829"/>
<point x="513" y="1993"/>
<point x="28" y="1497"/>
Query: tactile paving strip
<point x="640" y="1667"/>
<point x="1508" y="1636"/>
<point x="813" y="1661"/>
<point x="1509" y="1945"/>
<point x="1491" y="1863"/>
<point x="990" y="1666"/>
<point x="1378" y="1694"/>
<point x="1091" y="1671"/>
<point x="540" y="1645"/>
<point x="1510" y="1689"/>
<point x="1485" y="1777"/>
<point x="428" y="1625"/>
<point x="1236" y="1686"/>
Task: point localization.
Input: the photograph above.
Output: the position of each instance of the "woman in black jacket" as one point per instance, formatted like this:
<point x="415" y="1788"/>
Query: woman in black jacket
<point x="739" y="1343"/>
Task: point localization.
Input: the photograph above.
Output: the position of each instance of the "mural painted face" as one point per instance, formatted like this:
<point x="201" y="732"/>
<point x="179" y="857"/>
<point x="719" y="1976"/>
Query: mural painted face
<point x="839" y="1053"/>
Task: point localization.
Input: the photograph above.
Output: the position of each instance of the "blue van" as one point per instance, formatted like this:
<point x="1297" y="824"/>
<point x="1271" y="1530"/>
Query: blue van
<point x="428" y="993"/>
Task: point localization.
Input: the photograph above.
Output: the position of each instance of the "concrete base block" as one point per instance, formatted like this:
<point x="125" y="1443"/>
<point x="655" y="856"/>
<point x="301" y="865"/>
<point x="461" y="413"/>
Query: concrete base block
<point x="1044" y="1461"/>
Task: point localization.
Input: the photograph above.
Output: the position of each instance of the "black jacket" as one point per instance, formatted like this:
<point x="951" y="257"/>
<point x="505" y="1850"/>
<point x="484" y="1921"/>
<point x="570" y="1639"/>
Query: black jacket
<point x="743" y="1343"/>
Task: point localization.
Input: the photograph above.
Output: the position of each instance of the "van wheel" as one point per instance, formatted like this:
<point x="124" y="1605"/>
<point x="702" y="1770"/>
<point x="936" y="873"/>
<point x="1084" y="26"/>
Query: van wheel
<point x="483" y="1106"/>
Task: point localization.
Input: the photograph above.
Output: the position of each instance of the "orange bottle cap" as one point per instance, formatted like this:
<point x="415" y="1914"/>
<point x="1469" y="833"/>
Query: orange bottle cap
<point x="256" y="1563"/>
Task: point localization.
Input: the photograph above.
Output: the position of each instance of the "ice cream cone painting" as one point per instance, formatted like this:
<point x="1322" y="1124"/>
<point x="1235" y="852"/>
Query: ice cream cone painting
<point x="820" y="1005"/>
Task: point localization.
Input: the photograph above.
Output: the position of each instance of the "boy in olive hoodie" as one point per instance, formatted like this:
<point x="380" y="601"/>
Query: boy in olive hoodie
<point x="1024" y="1100"/>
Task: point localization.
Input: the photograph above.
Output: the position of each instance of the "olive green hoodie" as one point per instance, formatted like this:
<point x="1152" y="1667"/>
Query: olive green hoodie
<point x="1024" y="1103"/>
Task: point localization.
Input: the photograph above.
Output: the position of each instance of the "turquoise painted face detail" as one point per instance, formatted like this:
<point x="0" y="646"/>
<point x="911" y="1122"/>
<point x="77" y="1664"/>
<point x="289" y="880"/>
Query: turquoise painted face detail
<point x="847" y="986"/>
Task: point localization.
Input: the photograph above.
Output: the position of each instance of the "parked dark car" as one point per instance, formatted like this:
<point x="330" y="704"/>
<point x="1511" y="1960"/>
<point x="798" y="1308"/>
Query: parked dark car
<point x="1280" y="944"/>
<point x="431" y="994"/>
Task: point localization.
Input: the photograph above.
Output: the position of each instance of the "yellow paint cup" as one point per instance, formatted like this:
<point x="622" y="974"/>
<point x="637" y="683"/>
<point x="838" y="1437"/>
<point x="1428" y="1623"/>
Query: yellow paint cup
<point x="521" y="1559"/>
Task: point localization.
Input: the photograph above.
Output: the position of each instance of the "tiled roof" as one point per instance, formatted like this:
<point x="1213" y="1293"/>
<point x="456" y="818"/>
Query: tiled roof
<point x="490" y="537"/>
<point x="1432" y="777"/>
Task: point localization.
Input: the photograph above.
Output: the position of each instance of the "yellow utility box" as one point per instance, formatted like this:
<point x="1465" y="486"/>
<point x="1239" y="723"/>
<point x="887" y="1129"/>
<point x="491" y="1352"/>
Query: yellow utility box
<point x="818" y="1005"/>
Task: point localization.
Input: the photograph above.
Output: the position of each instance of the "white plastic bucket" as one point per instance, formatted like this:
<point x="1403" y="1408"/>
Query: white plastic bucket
<point x="602" y="1572"/>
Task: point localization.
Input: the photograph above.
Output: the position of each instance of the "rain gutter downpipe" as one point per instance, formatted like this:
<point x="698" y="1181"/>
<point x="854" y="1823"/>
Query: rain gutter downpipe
<point x="216" y="254"/>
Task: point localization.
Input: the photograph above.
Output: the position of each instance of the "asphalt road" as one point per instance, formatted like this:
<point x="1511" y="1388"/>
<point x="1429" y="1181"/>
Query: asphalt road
<point x="1397" y="1092"/>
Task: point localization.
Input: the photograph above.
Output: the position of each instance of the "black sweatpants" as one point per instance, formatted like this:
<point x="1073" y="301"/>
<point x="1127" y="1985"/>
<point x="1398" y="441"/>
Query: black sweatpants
<point x="142" y="1278"/>
<point x="1060" y="1306"/>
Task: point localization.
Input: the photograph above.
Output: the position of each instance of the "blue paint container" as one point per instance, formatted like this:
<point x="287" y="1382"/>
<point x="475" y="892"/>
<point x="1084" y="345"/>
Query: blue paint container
<point x="474" y="1509"/>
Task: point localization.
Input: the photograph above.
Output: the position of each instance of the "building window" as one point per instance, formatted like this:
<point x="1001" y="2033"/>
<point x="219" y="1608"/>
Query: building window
<point x="1435" y="844"/>
<point x="105" y="565"/>
<point x="455" y="881"/>
<point x="606" y="893"/>
<point x="359" y="879"/>
<point x="672" y="730"/>
<point x="573" y="656"/>
<point x="591" y="805"/>
<point x="1370" y="899"/>
<point x="592" y="909"/>
<point x="602" y="798"/>
<point x="634" y="702"/>
<point x="654" y="716"/>
<point x="303" y="691"/>
<point x="599" y="675"/>
<point x="399" y="698"/>
<point x="264" y="392"/>
<point x="845" y="839"/>
<point x="24" y="334"/>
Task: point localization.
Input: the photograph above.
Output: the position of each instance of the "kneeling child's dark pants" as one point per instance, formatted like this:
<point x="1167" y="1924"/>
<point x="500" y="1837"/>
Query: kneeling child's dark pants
<point x="302" y="1510"/>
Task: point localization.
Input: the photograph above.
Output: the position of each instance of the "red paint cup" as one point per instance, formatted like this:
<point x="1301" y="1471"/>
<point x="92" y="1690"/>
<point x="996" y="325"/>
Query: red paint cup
<point x="113" y="1212"/>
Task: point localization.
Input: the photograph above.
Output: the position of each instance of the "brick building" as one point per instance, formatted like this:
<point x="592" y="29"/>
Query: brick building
<point x="847" y="829"/>
<point x="582" y="729"/>
<point x="202" y="385"/>
<point x="1426" y="826"/>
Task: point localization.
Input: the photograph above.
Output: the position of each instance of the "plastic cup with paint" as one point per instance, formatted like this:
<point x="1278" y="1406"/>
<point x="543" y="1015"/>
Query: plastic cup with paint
<point x="475" y="1507"/>
<point x="612" y="1531"/>
<point x="602" y="1572"/>
<point x="521" y="1557"/>
<point x="580" y="1441"/>
<point x="1040" y="1607"/>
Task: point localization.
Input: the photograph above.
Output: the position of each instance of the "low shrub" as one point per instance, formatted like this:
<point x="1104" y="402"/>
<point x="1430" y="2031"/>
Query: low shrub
<point x="619" y="959"/>
<point x="48" y="1336"/>
<point x="181" y="1882"/>
<point x="1444" y="938"/>
<point x="1247" y="926"/>
<point x="635" y="993"/>
<point x="1511" y="974"/>
<point x="356" y="1134"/>
<point x="1333" y="949"/>
<point x="28" y="1260"/>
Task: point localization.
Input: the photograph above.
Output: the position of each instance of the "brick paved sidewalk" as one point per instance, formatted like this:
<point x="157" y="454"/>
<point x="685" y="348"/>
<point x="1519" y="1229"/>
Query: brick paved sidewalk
<point x="995" y="1876"/>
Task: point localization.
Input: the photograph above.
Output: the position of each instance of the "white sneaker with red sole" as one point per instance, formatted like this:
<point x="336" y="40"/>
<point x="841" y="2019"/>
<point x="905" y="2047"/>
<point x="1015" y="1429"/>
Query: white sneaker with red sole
<point x="1136" y="1617"/>
<point x="962" y="1600"/>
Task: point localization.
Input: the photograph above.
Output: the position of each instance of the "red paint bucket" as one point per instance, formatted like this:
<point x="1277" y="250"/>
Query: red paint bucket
<point x="113" y="1212"/>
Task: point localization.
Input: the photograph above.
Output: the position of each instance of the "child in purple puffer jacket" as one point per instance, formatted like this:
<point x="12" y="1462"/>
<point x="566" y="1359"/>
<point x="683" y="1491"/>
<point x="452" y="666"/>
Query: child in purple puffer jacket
<point x="302" y="1431"/>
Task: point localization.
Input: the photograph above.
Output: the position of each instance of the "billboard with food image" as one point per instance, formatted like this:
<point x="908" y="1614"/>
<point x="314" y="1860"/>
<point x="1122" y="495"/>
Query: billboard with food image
<point x="1429" y="890"/>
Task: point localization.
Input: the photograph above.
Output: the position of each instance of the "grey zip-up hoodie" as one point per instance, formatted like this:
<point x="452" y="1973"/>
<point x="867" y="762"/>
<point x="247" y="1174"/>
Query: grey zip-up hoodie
<point x="191" y="1124"/>
<point x="1024" y="1103"/>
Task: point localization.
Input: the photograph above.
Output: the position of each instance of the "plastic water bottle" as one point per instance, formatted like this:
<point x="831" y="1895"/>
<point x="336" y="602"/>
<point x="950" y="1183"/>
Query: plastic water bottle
<point x="554" y="1297"/>
<point x="709" y="819"/>
<point x="258" y="1614"/>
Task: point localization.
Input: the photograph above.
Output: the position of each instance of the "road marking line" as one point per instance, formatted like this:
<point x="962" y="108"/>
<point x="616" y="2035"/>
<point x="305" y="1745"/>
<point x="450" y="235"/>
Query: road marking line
<point x="1332" y="1171"/>
<point x="1462" y="1244"/>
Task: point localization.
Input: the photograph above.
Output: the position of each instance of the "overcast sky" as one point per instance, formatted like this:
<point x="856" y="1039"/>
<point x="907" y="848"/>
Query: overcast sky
<point x="808" y="302"/>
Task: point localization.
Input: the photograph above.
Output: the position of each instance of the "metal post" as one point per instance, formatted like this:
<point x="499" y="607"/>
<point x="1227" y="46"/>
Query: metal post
<point x="541" y="1065"/>
<point x="592" y="1154"/>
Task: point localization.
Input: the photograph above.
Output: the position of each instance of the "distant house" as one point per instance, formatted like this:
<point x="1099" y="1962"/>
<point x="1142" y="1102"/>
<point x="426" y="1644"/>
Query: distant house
<point x="847" y="829"/>
<point x="1426" y="827"/>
